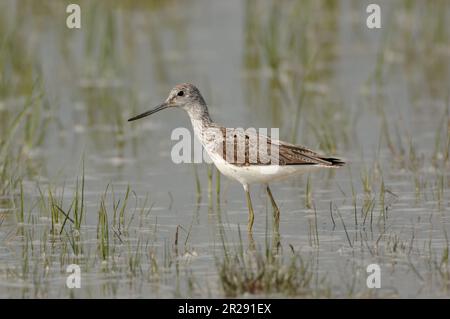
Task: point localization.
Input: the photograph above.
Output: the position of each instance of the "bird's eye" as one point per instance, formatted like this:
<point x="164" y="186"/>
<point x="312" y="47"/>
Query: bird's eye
<point x="181" y="93"/>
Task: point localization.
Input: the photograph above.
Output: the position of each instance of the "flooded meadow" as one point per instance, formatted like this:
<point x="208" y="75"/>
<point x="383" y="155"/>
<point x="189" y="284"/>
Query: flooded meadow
<point x="79" y="185"/>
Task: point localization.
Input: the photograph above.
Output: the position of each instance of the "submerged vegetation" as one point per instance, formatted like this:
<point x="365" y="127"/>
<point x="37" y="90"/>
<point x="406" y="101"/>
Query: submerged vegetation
<point x="270" y="273"/>
<point x="79" y="186"/>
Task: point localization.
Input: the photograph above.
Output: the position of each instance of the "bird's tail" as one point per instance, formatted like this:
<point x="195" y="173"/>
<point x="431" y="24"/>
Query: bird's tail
<point x="334" y="162"/>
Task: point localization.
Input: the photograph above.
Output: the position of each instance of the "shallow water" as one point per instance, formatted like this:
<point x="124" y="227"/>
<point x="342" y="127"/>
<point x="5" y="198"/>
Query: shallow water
<point x="378" y="98"/>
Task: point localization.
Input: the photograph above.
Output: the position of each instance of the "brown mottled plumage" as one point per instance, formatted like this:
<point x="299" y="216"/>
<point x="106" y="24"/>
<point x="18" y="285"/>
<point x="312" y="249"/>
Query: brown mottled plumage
<point x="287" y="154"/>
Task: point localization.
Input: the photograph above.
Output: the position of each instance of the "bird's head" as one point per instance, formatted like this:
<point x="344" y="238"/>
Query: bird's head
<point x="185" y="96"/>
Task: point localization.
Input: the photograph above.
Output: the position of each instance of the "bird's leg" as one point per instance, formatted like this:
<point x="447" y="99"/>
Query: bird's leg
<point x="276" y="211"/>
<point x="276" y="221"/>
<point x="251" y="215"/>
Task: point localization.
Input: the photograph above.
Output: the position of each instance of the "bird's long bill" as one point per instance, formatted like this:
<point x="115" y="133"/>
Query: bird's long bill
<point x="156" y="109"/>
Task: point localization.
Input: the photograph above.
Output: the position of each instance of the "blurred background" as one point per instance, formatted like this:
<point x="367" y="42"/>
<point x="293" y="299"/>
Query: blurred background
<point x="377" y="97"/>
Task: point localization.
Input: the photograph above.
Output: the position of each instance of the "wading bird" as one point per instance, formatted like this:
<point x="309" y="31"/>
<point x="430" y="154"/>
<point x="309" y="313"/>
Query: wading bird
<point x="245" y="156"/>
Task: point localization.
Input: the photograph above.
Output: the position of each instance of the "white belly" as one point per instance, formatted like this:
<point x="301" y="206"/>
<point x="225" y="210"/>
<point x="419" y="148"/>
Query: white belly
<point x="260" y="173"/>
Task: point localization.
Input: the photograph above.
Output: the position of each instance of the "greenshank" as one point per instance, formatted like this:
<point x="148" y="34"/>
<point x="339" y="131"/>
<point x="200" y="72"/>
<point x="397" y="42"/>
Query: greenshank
<point x="245" y="156"/>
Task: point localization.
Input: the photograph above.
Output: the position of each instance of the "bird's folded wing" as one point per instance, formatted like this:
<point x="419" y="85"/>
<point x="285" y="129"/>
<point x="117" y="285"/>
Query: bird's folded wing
<point x="247" y="147"/>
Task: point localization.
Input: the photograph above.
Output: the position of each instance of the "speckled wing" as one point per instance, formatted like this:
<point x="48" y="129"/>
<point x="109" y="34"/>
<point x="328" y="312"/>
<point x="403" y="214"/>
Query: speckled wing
<point x="247" y="147"/>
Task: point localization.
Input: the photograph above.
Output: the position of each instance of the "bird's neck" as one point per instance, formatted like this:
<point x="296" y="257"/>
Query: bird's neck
<point x="201" y="123"/>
